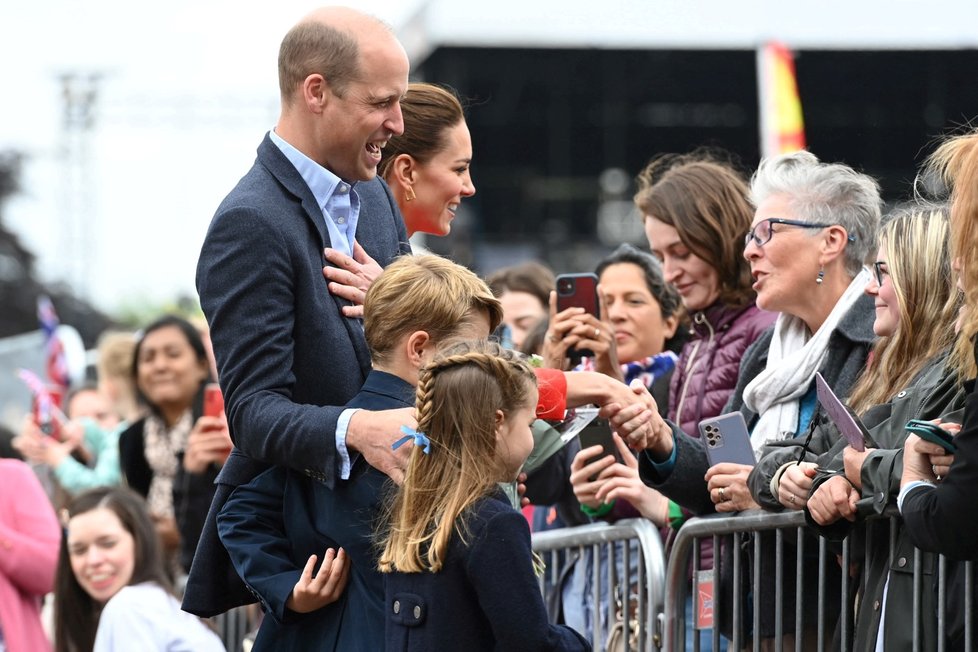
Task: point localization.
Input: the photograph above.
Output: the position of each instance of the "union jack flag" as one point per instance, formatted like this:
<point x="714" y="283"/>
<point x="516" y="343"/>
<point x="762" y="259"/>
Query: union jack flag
<point x="47" y="407"/>
<point x="55" y="362"/>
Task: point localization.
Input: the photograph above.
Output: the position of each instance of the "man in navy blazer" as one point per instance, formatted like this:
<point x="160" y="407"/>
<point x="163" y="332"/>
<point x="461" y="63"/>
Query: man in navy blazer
<point x="288" y="358"/>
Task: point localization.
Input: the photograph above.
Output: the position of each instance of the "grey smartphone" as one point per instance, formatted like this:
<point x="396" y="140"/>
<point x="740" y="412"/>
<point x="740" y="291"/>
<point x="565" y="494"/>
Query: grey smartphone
<point x="578" y="291"/>
<point x="727" y="439"/>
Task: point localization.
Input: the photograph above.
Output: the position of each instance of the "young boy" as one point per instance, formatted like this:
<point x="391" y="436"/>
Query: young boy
<point x="276" y="526"/>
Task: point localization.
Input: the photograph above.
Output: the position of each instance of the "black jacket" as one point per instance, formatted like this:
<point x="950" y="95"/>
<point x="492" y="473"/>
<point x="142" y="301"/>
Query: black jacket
<point x="192" y="492"/>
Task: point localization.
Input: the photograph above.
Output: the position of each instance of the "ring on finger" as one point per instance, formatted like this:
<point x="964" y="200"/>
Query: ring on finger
<point x="791" y="499"/>
<point x="553" y="338"/>
<point x="597" y="333"/>
<point x="720" y="493"/>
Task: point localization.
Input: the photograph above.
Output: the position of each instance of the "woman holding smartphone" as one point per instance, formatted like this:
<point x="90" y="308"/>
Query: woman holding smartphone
<point x="172" y="455"/>
<point x="636" y="334"/>
<point x="694" y="207"/>
<point x="813" y="227"/>
<point x="908" y="378"/>
<point x="641" y="313"/>
<point x="942" y="516"/>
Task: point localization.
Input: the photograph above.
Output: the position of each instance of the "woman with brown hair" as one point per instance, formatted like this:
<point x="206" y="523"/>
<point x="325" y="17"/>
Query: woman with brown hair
<point x="427" y="166"/>
<point x="696" y="210"/>
<point x="112" y="591"/>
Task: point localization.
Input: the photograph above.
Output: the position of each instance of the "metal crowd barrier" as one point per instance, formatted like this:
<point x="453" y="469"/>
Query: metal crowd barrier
<point x="641" y="600"/>
<point x="234" y="626"/>
<point x="659" y="605"/>
<point x="749" y="528"/>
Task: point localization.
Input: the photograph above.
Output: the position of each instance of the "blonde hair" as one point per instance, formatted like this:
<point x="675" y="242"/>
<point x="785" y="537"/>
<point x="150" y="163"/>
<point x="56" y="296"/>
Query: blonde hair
<point x="956" y="163"/>
<point x="116" y="350"/>
<point x="425" y="292"/>
<point x="915" y="246"/>
<point x="458" y="395"/>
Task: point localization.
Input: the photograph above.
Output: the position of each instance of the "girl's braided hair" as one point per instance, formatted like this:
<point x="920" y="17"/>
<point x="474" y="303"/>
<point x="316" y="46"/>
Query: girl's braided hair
<point x="459" y="394"/>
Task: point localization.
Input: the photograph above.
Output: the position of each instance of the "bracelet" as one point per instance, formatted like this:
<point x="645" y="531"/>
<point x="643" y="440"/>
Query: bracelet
<point x="676" y="516"/>
<point x="599" y="511"/>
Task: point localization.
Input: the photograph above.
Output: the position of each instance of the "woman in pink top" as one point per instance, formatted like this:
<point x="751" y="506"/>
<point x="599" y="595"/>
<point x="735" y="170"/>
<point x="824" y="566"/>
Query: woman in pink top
<point x="29" y="541"/>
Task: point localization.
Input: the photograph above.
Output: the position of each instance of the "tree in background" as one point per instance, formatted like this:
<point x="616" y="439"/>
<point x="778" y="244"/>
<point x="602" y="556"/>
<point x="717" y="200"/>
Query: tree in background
<point x="19" y="288"/>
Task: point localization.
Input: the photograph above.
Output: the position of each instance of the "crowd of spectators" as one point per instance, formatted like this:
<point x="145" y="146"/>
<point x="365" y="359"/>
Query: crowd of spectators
<point x="748" y="287"/>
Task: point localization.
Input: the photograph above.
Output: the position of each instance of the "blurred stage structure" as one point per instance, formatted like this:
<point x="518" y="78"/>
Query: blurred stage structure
<point x="569" y="100"/>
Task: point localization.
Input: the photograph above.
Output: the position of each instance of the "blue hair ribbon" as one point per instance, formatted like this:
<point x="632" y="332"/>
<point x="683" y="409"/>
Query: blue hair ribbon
<point x="420" y="439"/>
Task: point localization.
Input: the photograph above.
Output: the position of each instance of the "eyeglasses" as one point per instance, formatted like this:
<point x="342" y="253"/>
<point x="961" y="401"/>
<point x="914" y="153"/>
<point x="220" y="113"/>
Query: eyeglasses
<point x="880" y="270"/>
<point x="762" y="232"/>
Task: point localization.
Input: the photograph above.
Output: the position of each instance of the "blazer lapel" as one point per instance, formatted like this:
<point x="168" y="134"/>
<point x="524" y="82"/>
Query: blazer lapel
<point x="282" y="169"/>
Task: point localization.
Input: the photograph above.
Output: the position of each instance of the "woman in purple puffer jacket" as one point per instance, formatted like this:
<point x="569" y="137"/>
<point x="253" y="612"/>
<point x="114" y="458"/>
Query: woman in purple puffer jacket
<point x="696" y="210"/>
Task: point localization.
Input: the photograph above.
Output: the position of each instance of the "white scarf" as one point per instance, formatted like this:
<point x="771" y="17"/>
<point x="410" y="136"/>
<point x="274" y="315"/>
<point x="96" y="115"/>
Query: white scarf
<point x="161" y="445"/>
<point x="792" y="360"/>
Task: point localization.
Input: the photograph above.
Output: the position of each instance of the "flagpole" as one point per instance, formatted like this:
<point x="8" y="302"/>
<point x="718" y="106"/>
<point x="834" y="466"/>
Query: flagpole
<point x="765" y="121"/>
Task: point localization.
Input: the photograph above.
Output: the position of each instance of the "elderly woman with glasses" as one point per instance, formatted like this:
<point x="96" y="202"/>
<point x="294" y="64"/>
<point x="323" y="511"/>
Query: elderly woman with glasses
<point x="814" y="226"/>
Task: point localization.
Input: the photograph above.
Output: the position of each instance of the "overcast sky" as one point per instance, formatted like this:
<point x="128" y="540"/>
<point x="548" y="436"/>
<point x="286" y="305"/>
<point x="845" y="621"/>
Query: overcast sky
<point x="187" y="90"/>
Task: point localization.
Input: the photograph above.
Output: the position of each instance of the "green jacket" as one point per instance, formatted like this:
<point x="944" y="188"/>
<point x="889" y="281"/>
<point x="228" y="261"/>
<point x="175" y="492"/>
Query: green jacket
<point x="104" y="446"/>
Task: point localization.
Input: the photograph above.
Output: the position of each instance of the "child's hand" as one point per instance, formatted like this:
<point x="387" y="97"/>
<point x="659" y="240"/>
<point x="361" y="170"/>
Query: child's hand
<point x="312" y="593"/>
<point x="521" y="489"/>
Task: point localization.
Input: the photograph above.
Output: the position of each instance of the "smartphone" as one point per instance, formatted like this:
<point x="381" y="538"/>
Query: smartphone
<point x="932" y="433"/>
<point x="598" y="433"/>
<point x="213" y="400"/>
<point x="727" y="439"/>
<point x="46" y="416"/>
<point x="578" y="291"/>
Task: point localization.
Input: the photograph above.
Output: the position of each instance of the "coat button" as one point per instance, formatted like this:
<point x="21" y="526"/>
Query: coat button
<point x="901" y="562"/>
<point x="397" y="606"/>
<point x="876" y="606"/>
<point x="902" y="394"/>
<point x="417" y="611"/>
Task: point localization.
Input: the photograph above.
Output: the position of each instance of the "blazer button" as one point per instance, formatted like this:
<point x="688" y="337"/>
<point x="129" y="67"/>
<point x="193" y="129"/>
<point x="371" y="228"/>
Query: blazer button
<point x="901" y="562"/>
<point x="417" y="611"/>
<point x="397" y="606"/>
<point x="876" y="606"/>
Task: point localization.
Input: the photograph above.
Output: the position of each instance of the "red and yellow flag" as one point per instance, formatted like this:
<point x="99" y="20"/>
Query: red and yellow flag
<point x="782" y="127"/>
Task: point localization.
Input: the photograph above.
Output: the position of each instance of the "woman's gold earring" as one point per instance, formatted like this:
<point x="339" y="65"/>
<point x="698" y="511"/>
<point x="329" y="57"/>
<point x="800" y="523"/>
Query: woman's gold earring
<point x="410" y="194"/>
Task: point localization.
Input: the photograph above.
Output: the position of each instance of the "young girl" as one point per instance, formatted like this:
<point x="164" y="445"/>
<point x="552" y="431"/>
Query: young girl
<point x="279" y="525"/>
<point x="111" y="592"/>
<point x="458" y="556"/>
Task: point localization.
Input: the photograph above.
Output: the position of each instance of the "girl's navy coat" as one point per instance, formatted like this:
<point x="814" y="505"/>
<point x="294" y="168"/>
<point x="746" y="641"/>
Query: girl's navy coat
<point x="485" y="597"/>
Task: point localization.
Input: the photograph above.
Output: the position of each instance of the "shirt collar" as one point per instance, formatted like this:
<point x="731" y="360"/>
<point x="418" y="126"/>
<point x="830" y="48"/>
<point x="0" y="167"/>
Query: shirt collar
<point x="321" y="181"/>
